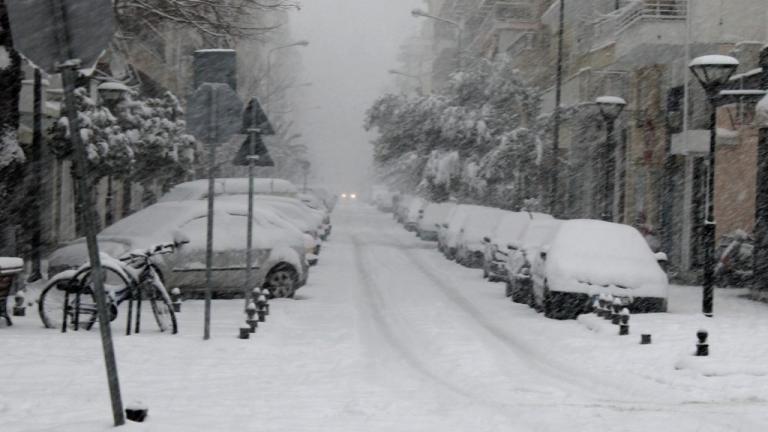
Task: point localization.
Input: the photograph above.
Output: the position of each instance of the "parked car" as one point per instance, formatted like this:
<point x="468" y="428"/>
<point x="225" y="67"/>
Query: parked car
<point x="588" y="257"/>
<point x="414" y="213"/>
<point x="401" y="208"/>
<point x="448" y="233"/>
<point x="521" y="252"/>
<point x="433" y="216"/>
<point x="735" y="264"/>
<point x="279" y="250"/>
<point x="470" y="248"/>
<point x="198" y="189"/>
<point x="510" y="229"/>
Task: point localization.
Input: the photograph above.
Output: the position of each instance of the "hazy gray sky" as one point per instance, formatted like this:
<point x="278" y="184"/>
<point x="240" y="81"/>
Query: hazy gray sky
<point x="352" y="45"/>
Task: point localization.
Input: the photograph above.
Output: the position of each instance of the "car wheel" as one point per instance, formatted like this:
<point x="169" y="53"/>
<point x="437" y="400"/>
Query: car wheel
<point x="282" y="281"/>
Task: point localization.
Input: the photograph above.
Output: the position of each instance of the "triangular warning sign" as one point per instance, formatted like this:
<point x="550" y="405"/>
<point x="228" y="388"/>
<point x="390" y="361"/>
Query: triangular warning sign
<point x="256" y="119"/>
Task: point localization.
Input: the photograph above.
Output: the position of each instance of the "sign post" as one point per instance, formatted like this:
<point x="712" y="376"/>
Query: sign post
<point x="255" y="122"/>
<point x="213" y="117"/>
<point x="65" y="36"/>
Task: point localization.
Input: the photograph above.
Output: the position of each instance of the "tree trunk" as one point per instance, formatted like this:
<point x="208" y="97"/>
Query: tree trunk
<point x="10" y="86"/>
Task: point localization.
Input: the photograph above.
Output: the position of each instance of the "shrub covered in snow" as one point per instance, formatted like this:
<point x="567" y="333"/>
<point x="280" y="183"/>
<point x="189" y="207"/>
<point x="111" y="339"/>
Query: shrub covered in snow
<point x="476" y="139"/>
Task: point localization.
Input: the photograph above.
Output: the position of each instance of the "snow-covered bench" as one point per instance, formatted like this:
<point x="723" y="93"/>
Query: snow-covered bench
<point x="9" y="268"/>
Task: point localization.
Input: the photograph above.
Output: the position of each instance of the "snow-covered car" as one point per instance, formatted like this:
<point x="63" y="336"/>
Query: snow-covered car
<point x="414" y="212"/>
<point x="315" y="203"/>
<point x="588" y="257"/>
<point x="520" y="253"/>
<point x="434" y="216"/>
<point x="289" y="209"/>
<point x="470" y="248"/>
<point x="279" y="249"/>
<point x="401" y="207"/>
<point x="198" y="189"/>
<point x="510" y="228"/>
<point x="448" y="233"/>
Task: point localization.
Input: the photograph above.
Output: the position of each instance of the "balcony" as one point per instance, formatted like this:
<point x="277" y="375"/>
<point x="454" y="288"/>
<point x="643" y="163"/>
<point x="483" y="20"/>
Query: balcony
<point x="650" y="31"/>
<point x="501" y="16"/>
<point x="642" y="31"/>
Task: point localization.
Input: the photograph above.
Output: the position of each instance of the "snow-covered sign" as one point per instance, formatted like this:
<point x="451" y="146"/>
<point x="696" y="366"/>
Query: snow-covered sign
<point x="35" y="25"/>
<point x="213" y="113"/>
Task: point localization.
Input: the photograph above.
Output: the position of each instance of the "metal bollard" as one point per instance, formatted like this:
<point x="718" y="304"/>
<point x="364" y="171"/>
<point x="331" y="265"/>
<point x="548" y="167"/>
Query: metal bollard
<point x="252" y="322"/>
<point x="136" y="412"/>
<point x="702" y="347"/>
<point x="601" y="305"/>
<point x="18" y="307"/>
<point x="645" y="339"/>
<point x="262" y="315"/>
<point x="608" y="307"/>
<point x="624" y="325"/>
<point x="245" y="332"/>
<point x="176" y="299"/>
<point x="616" y="311"/>
<point x="266" y="300"/>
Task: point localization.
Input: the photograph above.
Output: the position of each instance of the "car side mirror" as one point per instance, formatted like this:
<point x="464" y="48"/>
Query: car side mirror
<point x="487" y="239"/>
<point x="544" y="252"/>
<point x="511" y="247"/>
<point x="661" y="257"/>
<point x="179" y="238"/>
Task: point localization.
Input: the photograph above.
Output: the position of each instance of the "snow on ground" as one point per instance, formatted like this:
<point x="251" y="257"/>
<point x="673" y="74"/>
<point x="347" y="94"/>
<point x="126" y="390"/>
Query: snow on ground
<point x="389" y="336"/>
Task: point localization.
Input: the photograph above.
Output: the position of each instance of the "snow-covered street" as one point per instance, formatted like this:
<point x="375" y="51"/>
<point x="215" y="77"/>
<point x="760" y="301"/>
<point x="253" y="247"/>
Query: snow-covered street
<point x="389" y="336"/>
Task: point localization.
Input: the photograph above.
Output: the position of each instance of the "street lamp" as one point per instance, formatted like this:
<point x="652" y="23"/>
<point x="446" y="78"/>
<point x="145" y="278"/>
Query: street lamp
<point x="110" y="94"/>
<point x="713" y="72"/>
<point x="407" y="75"/>
<point x="610" y="108"/>
<point x="418" y="13"/>
<point x="301" y="43"/>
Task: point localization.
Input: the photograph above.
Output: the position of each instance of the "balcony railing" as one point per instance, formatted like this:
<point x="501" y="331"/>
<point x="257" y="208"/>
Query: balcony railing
<point x="655" y="10"/>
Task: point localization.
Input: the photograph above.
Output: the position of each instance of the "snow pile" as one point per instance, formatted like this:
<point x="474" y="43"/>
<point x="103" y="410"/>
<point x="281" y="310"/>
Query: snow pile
<point x="480" y="221"/>
<point x="594" y="256"/>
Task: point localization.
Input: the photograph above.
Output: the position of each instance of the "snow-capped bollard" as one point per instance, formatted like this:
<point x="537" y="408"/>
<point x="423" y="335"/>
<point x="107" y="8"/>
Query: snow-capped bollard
<point x="601" y="305"/>
<point x="266" y="300"/>
<point x="245" y="332"/>
<point x="252" y="322"/>
<point x="262" y="305"/>
<point x="136" y="411"/>
<point x="18" y="306"/>
<point x="176" y="299"/>
<point x="616" y="311"/>
<point x="645" y="339"/>
<point x="608" y="314"/>
<point x="702" y="347"/>
<point x="624" y="325"/>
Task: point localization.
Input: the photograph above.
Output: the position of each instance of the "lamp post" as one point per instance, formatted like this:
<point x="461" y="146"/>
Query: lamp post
<point x="110" y="94"/>
<point x="418" y="13"/>
<point x="420" y="90"/>
<point x="301" y="43"/>
<point x="712" y="72"/>
<point x="610" y="108"/>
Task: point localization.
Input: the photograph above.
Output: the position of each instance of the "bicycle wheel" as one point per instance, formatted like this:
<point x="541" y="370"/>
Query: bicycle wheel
<point x="161" y="307"/>
<point x="54" y="300"/>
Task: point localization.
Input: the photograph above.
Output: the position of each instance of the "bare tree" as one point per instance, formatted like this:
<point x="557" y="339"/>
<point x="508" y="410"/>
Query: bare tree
<point x="225" y="19"/>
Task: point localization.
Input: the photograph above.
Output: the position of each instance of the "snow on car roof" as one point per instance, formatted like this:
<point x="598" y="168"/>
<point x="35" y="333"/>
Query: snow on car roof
<point x="198" y="189"/>
<point x="602" y="253"/>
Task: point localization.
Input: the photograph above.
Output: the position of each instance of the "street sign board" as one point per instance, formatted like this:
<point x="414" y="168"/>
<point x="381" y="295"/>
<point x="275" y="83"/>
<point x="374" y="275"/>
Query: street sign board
<point x="257" y="120"/>
<point x="37" y="24"/>
<point x="259" y="149"/>
<point x="215" y="66"/>
<point x="213" y="113"/>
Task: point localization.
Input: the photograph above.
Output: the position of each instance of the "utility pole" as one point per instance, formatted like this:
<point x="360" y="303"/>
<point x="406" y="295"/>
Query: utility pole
<point x="760" y="255"/>
<point x="554" y="178"/>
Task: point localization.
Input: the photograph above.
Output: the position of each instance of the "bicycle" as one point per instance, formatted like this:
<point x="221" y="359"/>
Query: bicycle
<point x="68" y="298"/>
